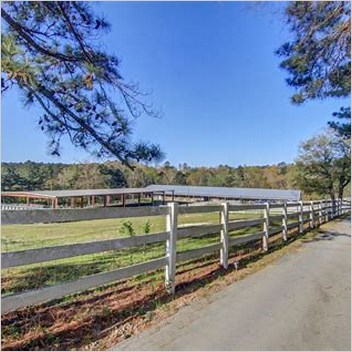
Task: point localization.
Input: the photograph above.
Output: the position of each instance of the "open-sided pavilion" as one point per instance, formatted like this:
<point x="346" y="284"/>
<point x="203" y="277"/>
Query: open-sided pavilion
<point x="147" y="195"/>
<point x="91" y="197"/>
<point x="206" y="193"/>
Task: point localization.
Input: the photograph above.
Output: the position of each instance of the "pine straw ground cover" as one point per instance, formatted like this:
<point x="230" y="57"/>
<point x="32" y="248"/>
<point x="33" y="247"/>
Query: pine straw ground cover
<point x="100" y="318"/>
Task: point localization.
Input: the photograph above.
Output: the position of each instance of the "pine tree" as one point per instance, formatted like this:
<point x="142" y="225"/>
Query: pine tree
<point x="50" y="50"/>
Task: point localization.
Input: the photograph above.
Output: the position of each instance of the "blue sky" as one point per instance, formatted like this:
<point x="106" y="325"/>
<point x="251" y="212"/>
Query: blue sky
<point x="212" y="70"/>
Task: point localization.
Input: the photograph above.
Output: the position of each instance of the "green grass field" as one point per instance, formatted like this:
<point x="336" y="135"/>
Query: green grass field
<point x="21" y="237"/>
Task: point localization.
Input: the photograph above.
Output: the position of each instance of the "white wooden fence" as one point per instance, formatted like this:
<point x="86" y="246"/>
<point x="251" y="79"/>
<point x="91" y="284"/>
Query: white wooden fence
<point x="314" y="213"/>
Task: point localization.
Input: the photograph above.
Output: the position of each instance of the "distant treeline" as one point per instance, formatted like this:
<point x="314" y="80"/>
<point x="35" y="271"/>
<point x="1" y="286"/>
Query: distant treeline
<point x="43" y="176"/>
<point x="31" y="176"/>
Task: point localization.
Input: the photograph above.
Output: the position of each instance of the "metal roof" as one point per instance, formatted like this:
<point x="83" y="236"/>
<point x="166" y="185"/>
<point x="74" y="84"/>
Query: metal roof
<point x="197" y="191"/>
<point x="230" y="192"/>
<point x="79" y="192"/>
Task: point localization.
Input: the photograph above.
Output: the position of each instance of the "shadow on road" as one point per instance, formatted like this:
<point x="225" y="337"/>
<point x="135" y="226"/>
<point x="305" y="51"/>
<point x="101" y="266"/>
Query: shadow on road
<point x="326" y="235"/>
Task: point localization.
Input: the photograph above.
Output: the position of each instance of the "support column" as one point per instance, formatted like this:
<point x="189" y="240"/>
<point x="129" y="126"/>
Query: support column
<point x="93" y="201"/>
<point x="152" y="198"/>
<point x="82" y="199"/>
<point x="284" y="222"/>
<point x="224" y="235"/>
<point x="301" y="223"/>
<point x="312" y="217"/>
<point x="171" y="227"/>
<point x="124" y="200"/>
<point x="139" y="199"/>
<point x="266" y="226"/>
<point x="320" y="212"/>
<point x="104" y="201"/>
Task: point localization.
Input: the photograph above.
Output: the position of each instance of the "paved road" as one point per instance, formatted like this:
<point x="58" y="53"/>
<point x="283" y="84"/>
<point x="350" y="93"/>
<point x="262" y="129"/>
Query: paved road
<point x="301" y="302"/>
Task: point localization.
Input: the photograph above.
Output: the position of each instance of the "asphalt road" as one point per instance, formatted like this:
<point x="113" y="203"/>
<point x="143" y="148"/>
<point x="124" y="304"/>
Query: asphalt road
<point x="301" y="302"/>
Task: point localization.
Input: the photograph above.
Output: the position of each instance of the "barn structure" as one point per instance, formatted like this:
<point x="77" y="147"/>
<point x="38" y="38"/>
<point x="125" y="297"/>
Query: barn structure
<point x="148" y="195"/>
<point x="88" y="197"/>
<point x="204" y="193"/>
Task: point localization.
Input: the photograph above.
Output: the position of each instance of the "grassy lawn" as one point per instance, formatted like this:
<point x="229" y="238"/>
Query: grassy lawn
<point x="21" y="237"/>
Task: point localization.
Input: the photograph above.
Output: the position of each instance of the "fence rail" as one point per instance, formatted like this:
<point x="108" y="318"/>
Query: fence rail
<point x="318" y="213"/>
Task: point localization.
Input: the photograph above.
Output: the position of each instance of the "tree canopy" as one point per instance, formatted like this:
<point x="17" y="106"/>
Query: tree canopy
<point x="51" y="51"/>
<point x="318" y="58"/>
<point x="342" y="128"/>
<point x="324" y="164"/>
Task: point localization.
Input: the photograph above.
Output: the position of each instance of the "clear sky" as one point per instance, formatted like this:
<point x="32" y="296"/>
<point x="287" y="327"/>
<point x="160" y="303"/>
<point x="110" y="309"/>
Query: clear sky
<point x="212" y="70"/>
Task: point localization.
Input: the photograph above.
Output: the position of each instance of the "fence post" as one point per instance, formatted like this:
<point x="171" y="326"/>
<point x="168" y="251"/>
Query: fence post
<point x="284" y="222"/>
<point x="171" y="226"/>
<point x="320" y="212"/>
<point x="266" y="226"/>
<point x="312" y="217"/>
<point x="224" y="235"/>
<point x="300" y="217"/>
<point x="326" y="211"/>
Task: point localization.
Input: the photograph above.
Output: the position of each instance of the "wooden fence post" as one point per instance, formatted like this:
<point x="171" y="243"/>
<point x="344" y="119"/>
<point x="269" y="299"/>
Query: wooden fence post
<point x="266" y="225"/>
<point x="224" y="235"/>
<point x="320" y="212"/>
<point x="312" y="217"/>
<point x="284" y="222"/>
<point x="171" y="226"/>
<point x="300" y="218"/>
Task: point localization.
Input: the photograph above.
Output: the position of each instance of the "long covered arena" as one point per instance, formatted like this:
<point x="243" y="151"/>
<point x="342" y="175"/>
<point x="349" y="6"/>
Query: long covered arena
<point x="87" y="197"/>
<point x="151" y="195"/>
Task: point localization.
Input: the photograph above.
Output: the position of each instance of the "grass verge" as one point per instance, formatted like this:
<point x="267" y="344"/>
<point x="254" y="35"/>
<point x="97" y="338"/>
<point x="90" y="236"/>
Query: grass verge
<point x="98" y="319"/>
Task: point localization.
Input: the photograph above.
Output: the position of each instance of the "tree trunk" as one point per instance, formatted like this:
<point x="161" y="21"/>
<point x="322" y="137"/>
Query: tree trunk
<point x="340" y="195"/>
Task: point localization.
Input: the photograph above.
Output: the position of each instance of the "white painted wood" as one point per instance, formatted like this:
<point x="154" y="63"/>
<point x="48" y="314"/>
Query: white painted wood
<point x="326" y="211"/>
<point x="276" y="206"/>
<point x="240" y="207"/>
<point x="13" y="302"/>
<point x="240" y="240"/>
<point x="275" y="230"/>
<point x="293" y="204"/>
<point x="224" y="235"/>
<point x="240" y="224"/>
<point x="301" y="219"/>
<point x="32" y="256"/>
<point x="195" y="209"/>
<point x="275" y="217"/>
<point x="293" y="225"/>
<point x="195" y="231"/>
<point x="293" y="215"/>
<point x="64" y="215"/>
<point x="312" y="216"/>
<point x="198" y="252"/>
<point x="171" y="226"/>
<point x="320" y="213"/>
<point x="266" y="226"/>
<point x="284" y="222"/>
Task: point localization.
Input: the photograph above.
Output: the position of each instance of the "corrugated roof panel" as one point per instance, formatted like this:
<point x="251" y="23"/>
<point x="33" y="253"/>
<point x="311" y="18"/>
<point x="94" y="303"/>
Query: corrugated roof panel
<point x="230" y="192"/>
<point x="80" y="192"/>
